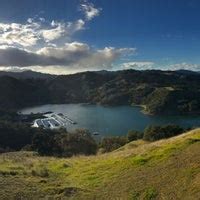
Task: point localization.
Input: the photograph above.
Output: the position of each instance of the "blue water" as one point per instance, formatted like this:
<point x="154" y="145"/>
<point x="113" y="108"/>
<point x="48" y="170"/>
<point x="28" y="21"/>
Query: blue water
<point x="110" y="121"/>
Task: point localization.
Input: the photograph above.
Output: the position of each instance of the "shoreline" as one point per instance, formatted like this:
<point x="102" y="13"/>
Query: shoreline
<point x="142" y="106"/>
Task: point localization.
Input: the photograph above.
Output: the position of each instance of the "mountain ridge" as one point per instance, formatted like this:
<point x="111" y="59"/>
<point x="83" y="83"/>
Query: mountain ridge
<point x="162" y="92"/>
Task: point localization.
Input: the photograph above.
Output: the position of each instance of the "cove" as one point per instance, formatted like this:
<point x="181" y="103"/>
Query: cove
<point x="112" y="121"/>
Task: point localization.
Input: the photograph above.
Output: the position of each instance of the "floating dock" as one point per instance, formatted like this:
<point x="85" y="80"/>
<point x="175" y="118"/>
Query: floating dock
<point x="53" y="121"/>
<point x="66" y="118"/>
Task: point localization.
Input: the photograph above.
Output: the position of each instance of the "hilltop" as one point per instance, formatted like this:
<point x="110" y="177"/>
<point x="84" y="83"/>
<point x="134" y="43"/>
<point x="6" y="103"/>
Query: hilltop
<point x="159" y="92"/>
<point x="28" y="74"/>
<point x="165" y="169"/>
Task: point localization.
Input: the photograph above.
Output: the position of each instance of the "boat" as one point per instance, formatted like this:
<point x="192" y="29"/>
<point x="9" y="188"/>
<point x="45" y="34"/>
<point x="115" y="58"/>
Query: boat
<point x="96" y="133"/>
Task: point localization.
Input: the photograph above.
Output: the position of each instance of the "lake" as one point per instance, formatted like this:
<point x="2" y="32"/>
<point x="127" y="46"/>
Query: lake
<point x="110" y="121"/>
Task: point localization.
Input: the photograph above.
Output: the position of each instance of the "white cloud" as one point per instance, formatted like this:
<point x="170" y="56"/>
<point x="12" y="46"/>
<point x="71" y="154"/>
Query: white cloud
<point x="103" y="58"/>
<point x="185" y="66"/>
<point x="42" y="19"/>
<point x="19" y="34"/>
<point x="139" y="65"/>
<point x="30" y="20"/>
<point x="67" y="50"/>
<point x="38" y="31"/>
<point x="59" y="29"/>
<point x="33" y="32"/>
<point x="53" y="33"/>
<point x="89" y="10"/>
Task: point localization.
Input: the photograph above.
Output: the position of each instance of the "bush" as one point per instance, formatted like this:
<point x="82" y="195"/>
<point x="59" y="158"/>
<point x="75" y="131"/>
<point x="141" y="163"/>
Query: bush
<point x="112" y="143"/>
<point x="27" y="147"/>
<point x="78" y="142"/>
<point x="43" y="142"/>
<point x="134" y="135"/>
<point x="153" y="133"/>
<point x="65" y="144"/>
<point x="41" y="172"/>
<point x="150" y="194"/>
<point x="15" y="135"/>
<point x="8" y="173"/>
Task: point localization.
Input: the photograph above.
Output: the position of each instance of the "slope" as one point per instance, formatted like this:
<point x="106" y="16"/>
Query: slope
<point x="166" y="169"/>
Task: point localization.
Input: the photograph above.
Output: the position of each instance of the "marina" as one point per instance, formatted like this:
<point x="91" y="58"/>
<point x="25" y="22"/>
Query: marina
<point x="53" y="121"/>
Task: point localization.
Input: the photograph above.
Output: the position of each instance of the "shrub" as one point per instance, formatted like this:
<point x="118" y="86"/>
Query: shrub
<point x="150" y="194"/>
<point x="8" y="173"/>
<point x="41" y="172"/>
<point x="27" y="147"/>
<point x="15" y="135"/>
<point x="112" y="143"/>
<point x="78" y="142"/>
<point x="153" y="133"/>
<point x="65" y="144"/>
<point x="134" y="195"/>
<point x="43" y="143"/>
<point x="133" y="135"/>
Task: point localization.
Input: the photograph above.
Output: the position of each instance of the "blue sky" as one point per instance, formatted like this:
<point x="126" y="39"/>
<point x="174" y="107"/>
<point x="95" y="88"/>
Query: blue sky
<point x="67" y="36"/>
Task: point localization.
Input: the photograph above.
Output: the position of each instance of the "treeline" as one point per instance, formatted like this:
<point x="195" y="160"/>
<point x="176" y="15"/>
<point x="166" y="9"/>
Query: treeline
<point x="151" y="133"/>
<point x="18" y="136"/>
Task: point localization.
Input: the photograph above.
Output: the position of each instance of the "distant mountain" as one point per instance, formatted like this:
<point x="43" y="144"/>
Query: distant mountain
<point x="160" y="92"/>
<point x="27" y="75"/>
<point x="187" y="72"/>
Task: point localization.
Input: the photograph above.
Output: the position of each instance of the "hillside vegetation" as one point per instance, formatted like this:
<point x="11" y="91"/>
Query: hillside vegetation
<point x="165" y="169"/>
<point x="160" y="92"/>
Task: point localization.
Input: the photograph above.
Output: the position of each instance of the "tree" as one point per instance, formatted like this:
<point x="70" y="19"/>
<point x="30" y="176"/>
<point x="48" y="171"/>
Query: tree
<point x="153" y="133"/>
<point x="78" y="142"/>
<point x="62" y="143"/>
<point x="133" y="135"/>
<point x="43" y="142"/>
<point x="112" y="143"/>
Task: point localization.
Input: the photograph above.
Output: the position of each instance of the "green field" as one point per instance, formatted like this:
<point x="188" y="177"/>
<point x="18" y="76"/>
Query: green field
<point x="166" y="169"/>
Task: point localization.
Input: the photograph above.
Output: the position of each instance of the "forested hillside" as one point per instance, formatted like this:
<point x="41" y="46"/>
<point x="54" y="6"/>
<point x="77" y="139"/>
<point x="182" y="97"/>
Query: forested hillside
<point x="160" y="92"/>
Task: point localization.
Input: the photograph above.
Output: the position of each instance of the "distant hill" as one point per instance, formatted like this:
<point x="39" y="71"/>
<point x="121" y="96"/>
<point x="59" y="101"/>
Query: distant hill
<point x="159" y="92"/>
<point x="166" y="169"/>
<point x="18" y="93"/>
<point x="26" y="75"/>
<point x="182" y="71"/>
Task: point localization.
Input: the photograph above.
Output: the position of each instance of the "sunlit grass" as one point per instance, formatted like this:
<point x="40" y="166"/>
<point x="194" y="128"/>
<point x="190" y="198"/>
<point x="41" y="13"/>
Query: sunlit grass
<point x="84" y="175"/>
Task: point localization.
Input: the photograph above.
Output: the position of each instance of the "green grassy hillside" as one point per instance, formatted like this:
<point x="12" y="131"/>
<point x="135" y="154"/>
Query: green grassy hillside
<point x="166" y="169"/>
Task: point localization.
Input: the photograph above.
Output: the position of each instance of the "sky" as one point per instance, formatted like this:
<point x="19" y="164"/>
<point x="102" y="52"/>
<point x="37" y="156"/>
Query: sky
<point x="69" y="36"/>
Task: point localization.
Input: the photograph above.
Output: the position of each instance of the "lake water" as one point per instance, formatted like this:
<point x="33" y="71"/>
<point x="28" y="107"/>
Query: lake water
<point x="110" y="121"/>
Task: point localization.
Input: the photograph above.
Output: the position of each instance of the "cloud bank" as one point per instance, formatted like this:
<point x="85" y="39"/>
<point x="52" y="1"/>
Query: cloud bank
<point x="185" y="66"/>
<point x="139" y="65"/>
<point x="71" y="55"/>
<point x="44" y="45"/>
